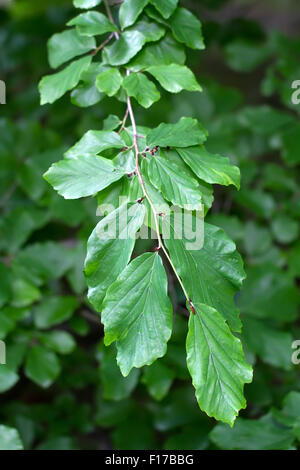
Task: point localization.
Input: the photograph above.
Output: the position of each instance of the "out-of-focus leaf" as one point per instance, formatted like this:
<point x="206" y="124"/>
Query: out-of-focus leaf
<point x="271" y="345"/>
<point x="10" y="439"/>
<point x="42" y="366"/>
<point x="158" y="379"/>
<point x="284" y="228"/>
<point x="259" y="434"/>
<point x="8" y="378"/>
<point x="54" y="310"/>
<point x="114" y="385"/>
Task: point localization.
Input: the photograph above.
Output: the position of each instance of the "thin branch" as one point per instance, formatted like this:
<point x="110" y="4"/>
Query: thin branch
<point x="142" y="183"/>
<point x="124" y="120"/>
<point x="99" y="48"/>
<point x="117" y="36"/>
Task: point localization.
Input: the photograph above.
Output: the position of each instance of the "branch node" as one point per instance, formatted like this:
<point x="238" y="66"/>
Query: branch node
<point x="192" y="307"/>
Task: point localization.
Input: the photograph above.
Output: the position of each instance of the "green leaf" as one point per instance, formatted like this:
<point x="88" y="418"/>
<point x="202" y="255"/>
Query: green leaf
<point x="61" y="342"/>
<point x="285" y="229"/>
<point x="24" y="293"/>
<point x="265" y="290"/>
<point x="277" y="178"/>
<point x="87" y="94"/>
<point x="294" y="260"/>
<point x="75" y="274"/>
<point x="85" y="4"/>
<point x="126" y="161"/>
<point x="257" y="239"/>
<point x="211" y="168"/>
<point x="255" y="434"/>
<point x="290" y="413"/>
<point x="53" y="310"/>
<point x="30" y="180"/>
<point x="291" y="146"/>
<point x="5" y="285"/>
<point x="189" y="437"/>
<point x="114" y="385"/>
<point x="66" y="45"/>
<point x="15" y="353"/>
<point x="109" y="81"/>
<point x="110" y="413"/>
<point x="8" y="378"/>
<point x="217" y="365"/>
<point x="134" y="192"/>
<point x="271" y="345"/>
<point x="204" y="189"/>
<point x="245" y="56"/>
<point x="186" y="28"/>
<point x="150" y="30"/>
<point x="121" y="51"/>
<point x="79" y="325"/>
<point x="257" y="201"/>
<point x="165" y="52"/>
<point x="42" y="261"/>
<point x="58" y="443"/>
<point x="135" y="432"/>
<point x="165" y="8"/>
<point x="53" y="87"/>
<point x="175" y="185"/>
<point x="141" y="88"/>
<point x="211" y="274"/>
<point x="42" y="366"/>
<point x="109" y="253"/>
<point x="158" y="379"/>
<point x="82" y="176"/>
<point x="92" y="23"/>
<point x="10" y="439"/>
<point x="111" y="123"/>
<point x="138" y="313"/>
<point x="175" y="78"/>
<point x="231" y="224"/>
<point x="130" y="10"/>
<point x="131" y="42"/>
<point x="185" y="133"/>
<point x="16" y="314"/>
<point x="178" y="410"/>
<point x="94" y="142"/>
<point x="265" y="120"/>
<point x="18" y="225"/>
<point x="6" y="325"/>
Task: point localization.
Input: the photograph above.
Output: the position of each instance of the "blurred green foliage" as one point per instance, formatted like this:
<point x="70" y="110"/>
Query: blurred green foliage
<point x="60" y="388"/>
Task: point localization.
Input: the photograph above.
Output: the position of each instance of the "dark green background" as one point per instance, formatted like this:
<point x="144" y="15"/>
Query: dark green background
<point x="60" y="388"/>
